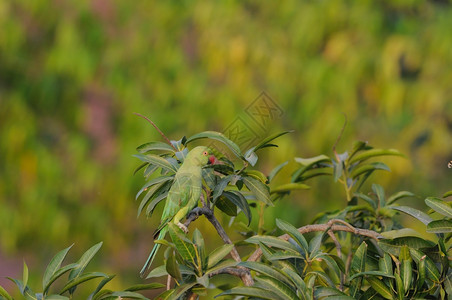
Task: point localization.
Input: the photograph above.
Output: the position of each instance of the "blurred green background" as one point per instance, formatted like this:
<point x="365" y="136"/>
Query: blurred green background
<point x="73" y="72"/>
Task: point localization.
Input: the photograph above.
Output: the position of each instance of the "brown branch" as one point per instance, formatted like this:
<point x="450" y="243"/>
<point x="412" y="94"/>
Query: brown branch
<point x="158" y="129"/>
<point x="231" y="271"/>
<point x="324" y="227"/>
<point x="195" y="213"/>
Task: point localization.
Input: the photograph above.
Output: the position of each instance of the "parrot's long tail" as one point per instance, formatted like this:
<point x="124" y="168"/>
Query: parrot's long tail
<point x="151" y="257"/>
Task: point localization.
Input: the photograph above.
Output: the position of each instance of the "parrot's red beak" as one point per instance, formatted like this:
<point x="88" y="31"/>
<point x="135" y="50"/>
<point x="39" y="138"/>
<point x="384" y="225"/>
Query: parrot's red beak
<point x="212" y="160"/>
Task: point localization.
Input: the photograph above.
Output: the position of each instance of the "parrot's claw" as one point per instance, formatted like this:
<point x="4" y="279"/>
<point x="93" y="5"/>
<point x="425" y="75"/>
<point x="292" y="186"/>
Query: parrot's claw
<point x="183" y="227"/>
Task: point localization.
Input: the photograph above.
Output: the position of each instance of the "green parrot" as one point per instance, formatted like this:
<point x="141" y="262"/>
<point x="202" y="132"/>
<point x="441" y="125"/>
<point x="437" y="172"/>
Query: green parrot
<point x="183" y="195"/>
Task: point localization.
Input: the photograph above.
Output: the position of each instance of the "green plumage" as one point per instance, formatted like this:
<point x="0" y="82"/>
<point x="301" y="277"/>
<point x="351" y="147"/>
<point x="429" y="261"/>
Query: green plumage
<point x="183" y="195"/>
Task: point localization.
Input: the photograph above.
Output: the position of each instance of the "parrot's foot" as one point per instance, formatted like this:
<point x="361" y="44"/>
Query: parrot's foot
<point x="183" y="227"/>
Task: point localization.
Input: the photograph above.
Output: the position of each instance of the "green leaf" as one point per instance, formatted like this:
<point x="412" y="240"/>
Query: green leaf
<point x="5" y="294"/>
<point x="228" y="263"/>
<point x="385" y="264"/>
<point x="369" y="168"/>
<point x="393" y="246"/>
<point x="278" y="287"/>
<point x="265" y="270"/>
<point x="373" y="153"/>
<point x="400" y="287"/>
<point x="60" y="272"/>
<point x="25" y="275"/>
<point x="240" y="201"/>
<point x="218" y="254"/>
<point x="219" y="137"/>
<point x="145" y="287"/>
<point x="447" y="194"/>
<point x="219" y="188"/>
<point x="439" y="206"/>
<point x="152" y="182"/>
<point x="421" y="272"/>
<point x="289" y="187"/>
<point x="267" y="140"/>
<point x="172" y="267"/>
<point x="53" y="266"/>
<point x="56" y="297"/>
<point x="158" y="272"/>
<point x="183" y="245"/>
<point x="371" y="273"/>
<point x="325" y="292"/>
<point x="250" y="292"/>
<point x="156" y="160"/>
<point x="74" y="282"/>
<point x="421" y="216"/>
<point x="359" y="259"/>
<point x="276" y="170"/>
<point x="127" y="295"/>
<point x="272" y="241"/>
<point x="151" y="146"/>
<point x="294" y="234"/>
<point x="82" y="263"/>
<point x="440" y="226"/>
<point x="298" y="281"/>
<point x="379" y="191"/>
<point x="308" y="163"/>
<point x="430" y="268"/>
<point x="226" y="206"/>
<point x="399" y="195"/>
<point x="359" y="146"/>
<point x="258" y="189"/>
<point x="406" y="273"/>
<point x="380" y="287"/>
<point x="97" y="292"/>
<point x="182" y="290"/>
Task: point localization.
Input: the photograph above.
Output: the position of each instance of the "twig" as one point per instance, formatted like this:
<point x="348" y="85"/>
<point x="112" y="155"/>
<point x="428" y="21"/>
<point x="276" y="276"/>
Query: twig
<point x="155" y="126"/>
<point x="195" y="213"/>
<point x="324" y="227"/>
<point x="168" y="282"/>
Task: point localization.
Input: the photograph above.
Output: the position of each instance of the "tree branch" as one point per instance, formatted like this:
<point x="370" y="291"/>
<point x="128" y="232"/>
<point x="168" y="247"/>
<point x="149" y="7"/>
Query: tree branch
<point x="330" y="226"/>
<point x="158" y="129"/>
<point x="195" y="213"/>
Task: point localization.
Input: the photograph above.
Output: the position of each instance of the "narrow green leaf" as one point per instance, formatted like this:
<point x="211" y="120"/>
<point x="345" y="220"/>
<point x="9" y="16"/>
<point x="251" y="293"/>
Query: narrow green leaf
<point x="99" y="287"/>
<point x="250" y="292"/>
<point x="385" y="264"/>
<point x="225" y="205"/>
<point x="421" y="216"/>
<point x="374" y="153"/>
<point x="289" y="187"/>
<point x="440" y="206"/>
<point x="152" y="182"/>
<point x="53" y="266"/>
<point x="156" y="160"/>
<point x="358" y="264"/>
<point x="219" y="188"/>
<point x="60" y="272"/>
<point x="265" y="270"/>
<point x="371" y="273"/>
<point x="393" y="246"/>
<point x="151" y="146"/>
<point x="145" y="287"/>
<point x="399" y="195"/>
<point x="278" y="287"/>
<point x="294" y="234"/>
<point x="228" y="263"/>
<point x="127" y="295"/>
<point x="74" y="282"/>
<point x="218" y="254"/>
<point x="447" y="194"/>
<point x="276" y="170"/>
<point x="369" y="168"/>
<point x="298" y="281"/>
<point x="82" y="263"/>
<point x="56" y="297"/>
<point x="440" y="226"/>
<point x="400" y="287"/>
<point x="379" y="191"/>
<point x="258" y="189"/>
<point x="307" y="164"/>
<point x="271" y="241"/>
<point x="421" y="272"/>
<point x="182" y="289"/>
<point x="5" y="294"/>
<point x="406" y="273"/>
<point x="380" y="287"/>
<point x="219" y="137"/>
<point x="239" y="200"/>
<point x="269" y="139"/>
<point x="431" y="270"/>
<point x="25" y="274"/>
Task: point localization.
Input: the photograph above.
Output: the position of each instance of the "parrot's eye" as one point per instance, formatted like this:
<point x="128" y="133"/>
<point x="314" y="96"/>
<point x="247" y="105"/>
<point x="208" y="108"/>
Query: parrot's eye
<point x="205" y="153"/>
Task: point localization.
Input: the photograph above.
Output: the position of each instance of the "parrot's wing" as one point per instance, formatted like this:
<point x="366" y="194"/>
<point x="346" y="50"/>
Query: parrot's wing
<point x="178" y="197"/>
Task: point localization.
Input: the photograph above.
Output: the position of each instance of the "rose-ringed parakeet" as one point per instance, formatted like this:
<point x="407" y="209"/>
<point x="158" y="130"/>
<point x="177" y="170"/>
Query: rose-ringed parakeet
<point x="183" y="195"/>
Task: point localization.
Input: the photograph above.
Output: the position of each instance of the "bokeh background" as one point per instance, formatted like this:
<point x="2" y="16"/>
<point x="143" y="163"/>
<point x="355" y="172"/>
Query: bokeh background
<point x="73" y="72"/>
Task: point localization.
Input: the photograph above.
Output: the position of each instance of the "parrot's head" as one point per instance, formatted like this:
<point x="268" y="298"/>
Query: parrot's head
<point x="201" y="156"/>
